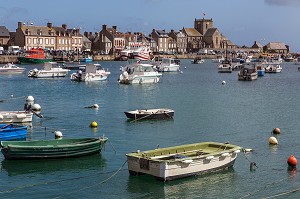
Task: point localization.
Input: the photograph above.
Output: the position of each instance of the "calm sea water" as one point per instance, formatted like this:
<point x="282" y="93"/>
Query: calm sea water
<point x="242" y="113"/>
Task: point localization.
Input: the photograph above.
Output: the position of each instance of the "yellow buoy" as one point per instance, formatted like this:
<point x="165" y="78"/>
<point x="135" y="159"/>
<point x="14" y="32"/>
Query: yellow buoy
<point x="94" y="124"/>
<point x="273" y="140"/>
<point x="276" y="130"/>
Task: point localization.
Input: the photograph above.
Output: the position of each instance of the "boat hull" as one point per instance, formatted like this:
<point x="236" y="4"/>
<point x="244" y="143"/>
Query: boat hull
<point x="24" y="60"/>
<point x="12" y="132"/>
<point x="61" y="148"/>
<point x="183" y="161"/>
<point x="15" y="117"/>
<point x="150" y="114"/>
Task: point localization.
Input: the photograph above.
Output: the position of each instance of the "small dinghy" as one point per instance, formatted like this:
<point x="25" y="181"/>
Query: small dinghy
<point x="150" y="114"/>
<point x="12" y="132"/>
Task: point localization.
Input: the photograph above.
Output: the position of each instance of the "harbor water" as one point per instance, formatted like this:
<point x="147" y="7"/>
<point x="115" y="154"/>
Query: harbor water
<point x="239" y="112"/>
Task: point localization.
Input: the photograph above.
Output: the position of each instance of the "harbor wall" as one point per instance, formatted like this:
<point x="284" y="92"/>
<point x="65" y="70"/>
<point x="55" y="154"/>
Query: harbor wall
<point x="8" y="59"/>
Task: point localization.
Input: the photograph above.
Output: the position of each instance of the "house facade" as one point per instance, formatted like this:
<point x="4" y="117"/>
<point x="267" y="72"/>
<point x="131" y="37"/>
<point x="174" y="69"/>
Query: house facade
<point x="48" y="37"/>
<point x="162" y="40"/>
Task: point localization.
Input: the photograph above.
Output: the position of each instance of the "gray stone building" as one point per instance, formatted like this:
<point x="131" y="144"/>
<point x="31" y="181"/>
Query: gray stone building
<point x="4" y="36"/>
<point x="162" y="40"/>
<point x="181" y="41"/>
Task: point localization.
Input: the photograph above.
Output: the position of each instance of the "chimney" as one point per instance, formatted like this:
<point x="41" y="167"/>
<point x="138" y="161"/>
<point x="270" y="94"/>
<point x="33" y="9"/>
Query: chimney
<point x="129" y="33"/>
<point x="85" y="34"/>
<point x="103" y="27"/>
<point x="49" y="25"/>
<point x="114" y="27"/>
<point x="172" y="31"/>
<point x="64" y="26"/>
<point x="20" y="25"/>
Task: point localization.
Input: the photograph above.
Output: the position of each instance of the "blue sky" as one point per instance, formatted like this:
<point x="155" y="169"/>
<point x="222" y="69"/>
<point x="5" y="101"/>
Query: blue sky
<point x="242" y="21"/>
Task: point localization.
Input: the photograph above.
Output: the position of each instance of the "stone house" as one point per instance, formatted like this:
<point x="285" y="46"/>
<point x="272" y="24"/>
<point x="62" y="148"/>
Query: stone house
<point x="63" y="39"/>
<point x="162" y="39"/>
<point x="4" y="36"/>
<point x="276" y="47"/>
<point x="48" y="37"/>
<point x="181" y="41"/>
<point x="109" y="40"/>
<point x="193" y="39"/>
<point x="257" y="46"/>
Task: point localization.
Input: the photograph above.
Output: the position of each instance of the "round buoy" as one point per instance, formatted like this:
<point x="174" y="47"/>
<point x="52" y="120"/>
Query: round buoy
<point x="292" y="161"/>
<point x="29" y="99"/>
<point x="95" y="106"/>
<point x="223" y="82"/>
<point x="58" y="134"/>
<point x="36" y="107"/>
<point x="276" y="130"/>
<point x="273" y="140"/>
<point x="94" y="124"/>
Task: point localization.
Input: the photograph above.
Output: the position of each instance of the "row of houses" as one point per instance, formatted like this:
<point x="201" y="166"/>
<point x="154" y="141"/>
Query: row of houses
<point x="111" y="41"/>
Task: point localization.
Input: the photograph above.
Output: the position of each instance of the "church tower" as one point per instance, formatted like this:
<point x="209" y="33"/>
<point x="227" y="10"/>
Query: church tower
<point x="202" y="25"/>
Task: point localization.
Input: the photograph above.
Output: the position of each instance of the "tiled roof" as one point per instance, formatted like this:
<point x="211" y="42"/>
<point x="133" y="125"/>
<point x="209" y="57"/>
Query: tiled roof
<point x="192" y="32"/>
<point x="276" y="46"/>
<point x="210" y="32"/>
<point x="4" y="32"/>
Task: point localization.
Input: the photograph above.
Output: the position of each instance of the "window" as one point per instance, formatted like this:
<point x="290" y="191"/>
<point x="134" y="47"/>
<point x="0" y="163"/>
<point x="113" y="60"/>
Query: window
<point x="41" y="41"/>
<point x="34" y="41"/>
<point x="52" y="41"/>
<point x="59" y="41"/>
<point x="47" y="41"/>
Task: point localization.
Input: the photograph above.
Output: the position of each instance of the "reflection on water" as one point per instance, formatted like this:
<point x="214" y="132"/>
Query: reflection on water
<point x="43" y="166"/>
<point x="208" y="184"/>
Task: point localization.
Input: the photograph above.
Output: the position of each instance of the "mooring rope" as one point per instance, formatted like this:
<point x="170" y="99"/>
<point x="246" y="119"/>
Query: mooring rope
<point x="63" y="180"/>
<point x="102" y="182"/>
<point x="283" y="193"/>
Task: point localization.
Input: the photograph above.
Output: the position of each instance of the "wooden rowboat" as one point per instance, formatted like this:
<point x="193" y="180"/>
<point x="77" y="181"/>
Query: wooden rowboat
<point x="12" y="132"/>
<point x="60" y="148"/>
<point x="150" y="114"/>
<point x="182" y="161"/>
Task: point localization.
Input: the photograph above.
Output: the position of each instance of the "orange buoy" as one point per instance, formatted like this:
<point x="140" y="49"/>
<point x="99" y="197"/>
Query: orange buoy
<point x="276" y="130"/>
<point x="292" y="161"/>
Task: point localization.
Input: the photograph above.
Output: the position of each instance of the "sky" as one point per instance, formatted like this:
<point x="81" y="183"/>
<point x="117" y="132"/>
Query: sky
<point x="241" y="21"/>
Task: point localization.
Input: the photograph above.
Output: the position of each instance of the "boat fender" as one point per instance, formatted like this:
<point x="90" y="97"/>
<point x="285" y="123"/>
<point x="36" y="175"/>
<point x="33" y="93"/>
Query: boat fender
<point x="225" y="154"/>
<point x="237" y="151"/>
<point x="209" y="157"/>
<point x="187" y="161"/>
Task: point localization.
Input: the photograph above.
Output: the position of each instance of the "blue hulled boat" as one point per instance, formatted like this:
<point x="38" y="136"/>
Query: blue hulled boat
<point x="12" y="132"/>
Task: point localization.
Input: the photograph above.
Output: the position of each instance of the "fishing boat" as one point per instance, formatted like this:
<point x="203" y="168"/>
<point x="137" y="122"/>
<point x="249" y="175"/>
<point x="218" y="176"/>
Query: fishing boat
<point x="86" y="59"/>
<point x="197" y="60"/>
<point x="15" y="116"/>
<point x="11" y="68"/>
<point x="137" y="72"/>
<point x="90" y="72"/>
<point x="247" y="72"/>
<point x="144" y="53"/>
<point x="12" y="132"/>
<point x="59" y="148"/>
<point x="225" y="66"/>
<point x="35" y="55"/>
<point x="182" y="161"/>
<point x="168" y="65"/>
<point x="148" y="114"/>
<point x="260" y="70"/>
<point x="50" y="70"/>
<point x="273" y="68"/>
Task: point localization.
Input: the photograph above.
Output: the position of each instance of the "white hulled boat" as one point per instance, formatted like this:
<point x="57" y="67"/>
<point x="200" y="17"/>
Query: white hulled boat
<point x="50" y="70"/>
<point x="137" y="72"/>
<point x="11" y="68"/>
<point x="90" y="72"/>
<point x="182" y="161"/>
<point x="168" y="65"/>
<point x="15" y="116"/>
<point x="143" y="53"/>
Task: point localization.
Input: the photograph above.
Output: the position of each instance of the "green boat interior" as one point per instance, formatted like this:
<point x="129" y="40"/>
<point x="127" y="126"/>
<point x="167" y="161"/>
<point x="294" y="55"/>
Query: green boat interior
<point x="186" y="151"/>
